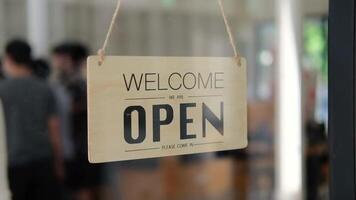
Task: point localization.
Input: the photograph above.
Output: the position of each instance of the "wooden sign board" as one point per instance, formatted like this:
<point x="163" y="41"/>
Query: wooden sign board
<point x="146" y="107"/>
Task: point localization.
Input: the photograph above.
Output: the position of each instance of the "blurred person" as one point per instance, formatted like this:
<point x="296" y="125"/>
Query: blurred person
<point x="79" y="56"/>
<point x="84" y="179"/>
<point x="41" y="69"/>
<point x="35" y="163"/>
<point x="64" y="110"/>
<point x="68" y="59"/>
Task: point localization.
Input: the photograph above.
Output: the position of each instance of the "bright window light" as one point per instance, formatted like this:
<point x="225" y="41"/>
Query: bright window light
<point x="289" y="132"/>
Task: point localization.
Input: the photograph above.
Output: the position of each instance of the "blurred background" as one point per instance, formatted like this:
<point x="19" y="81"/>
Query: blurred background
<point x="287" y="154"/>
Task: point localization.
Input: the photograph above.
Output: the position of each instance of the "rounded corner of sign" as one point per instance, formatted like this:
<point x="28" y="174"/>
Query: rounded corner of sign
<point x="244" y="145"/>
<point x="91" y="160"/>
<point x="92" y="59"/>
<point x="89" y="58"/>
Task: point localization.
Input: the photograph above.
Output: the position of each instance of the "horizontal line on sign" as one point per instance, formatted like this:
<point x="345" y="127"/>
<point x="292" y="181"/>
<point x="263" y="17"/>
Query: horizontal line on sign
<point x="205" y="96"/>
<point x="144" y="98"/>
<point x="207" y="143"/>
<point x="133" y="150"/>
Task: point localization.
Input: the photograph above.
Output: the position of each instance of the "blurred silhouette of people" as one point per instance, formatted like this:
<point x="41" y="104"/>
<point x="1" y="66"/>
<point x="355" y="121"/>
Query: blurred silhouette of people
<point x="41" y="69"/>
<point x="68" y="59"/>
<point x="33" y="143"/>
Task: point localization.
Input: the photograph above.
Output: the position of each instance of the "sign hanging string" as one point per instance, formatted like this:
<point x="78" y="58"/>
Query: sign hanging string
<point x="229" y="32"/>
<point x="101" y="52"/>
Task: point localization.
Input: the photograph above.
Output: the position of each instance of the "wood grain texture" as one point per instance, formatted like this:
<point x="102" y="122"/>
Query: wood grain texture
<point x="217" y="83"/>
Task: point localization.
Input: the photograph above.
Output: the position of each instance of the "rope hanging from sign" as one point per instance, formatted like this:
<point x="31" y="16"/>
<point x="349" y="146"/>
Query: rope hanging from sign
<point x="101" y="52"/>
<point x="229" y="32"/>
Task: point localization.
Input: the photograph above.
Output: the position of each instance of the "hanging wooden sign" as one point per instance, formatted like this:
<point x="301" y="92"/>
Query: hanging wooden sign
<point x="146" y="107"/>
